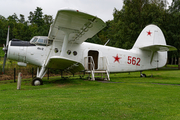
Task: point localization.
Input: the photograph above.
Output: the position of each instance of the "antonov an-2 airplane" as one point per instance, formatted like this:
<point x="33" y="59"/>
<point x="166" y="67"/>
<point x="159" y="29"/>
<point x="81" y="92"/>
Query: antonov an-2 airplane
<point x="64" y="48"/>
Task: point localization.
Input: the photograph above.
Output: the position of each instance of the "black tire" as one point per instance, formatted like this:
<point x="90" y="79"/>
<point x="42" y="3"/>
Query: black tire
<point x="143" y="75"/>
<point x="37" y="81"/>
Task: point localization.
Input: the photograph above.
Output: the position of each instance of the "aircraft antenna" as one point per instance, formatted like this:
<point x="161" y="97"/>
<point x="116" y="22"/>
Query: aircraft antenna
<point x="106" y="42"/>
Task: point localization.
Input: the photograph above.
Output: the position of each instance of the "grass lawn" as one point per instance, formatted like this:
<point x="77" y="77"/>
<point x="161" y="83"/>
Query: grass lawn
<point x="126" y="96"/>
<point x="1" y="52"/>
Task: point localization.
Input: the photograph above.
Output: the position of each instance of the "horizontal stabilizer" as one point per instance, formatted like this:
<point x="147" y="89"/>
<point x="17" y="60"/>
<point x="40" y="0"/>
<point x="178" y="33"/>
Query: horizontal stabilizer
<point x="161" y="48"/>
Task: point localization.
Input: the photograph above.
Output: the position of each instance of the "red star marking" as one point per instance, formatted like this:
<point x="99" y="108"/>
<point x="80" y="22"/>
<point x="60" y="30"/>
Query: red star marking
<point x="149" y="33"/>
<point x="116" y="58"/>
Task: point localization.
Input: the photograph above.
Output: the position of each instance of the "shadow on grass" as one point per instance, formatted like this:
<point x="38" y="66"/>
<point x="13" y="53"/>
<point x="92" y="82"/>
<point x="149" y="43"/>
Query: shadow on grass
<point x="66" y="80"/>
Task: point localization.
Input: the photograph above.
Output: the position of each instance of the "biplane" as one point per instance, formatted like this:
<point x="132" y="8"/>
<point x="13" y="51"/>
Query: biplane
<point x="65" y="48"/>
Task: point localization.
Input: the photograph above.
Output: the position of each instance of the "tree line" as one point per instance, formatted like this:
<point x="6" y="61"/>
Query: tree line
<point x="122" y="31"/>
<point x="37" y="25"/>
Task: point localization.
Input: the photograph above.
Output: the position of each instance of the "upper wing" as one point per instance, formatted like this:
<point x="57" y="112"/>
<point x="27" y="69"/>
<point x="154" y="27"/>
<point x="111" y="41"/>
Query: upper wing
<point x="80" y="26"/>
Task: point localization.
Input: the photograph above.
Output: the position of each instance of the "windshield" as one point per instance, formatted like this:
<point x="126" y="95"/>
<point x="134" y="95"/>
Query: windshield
<point x="34" y="40"/>
<point x="41" y="40"/>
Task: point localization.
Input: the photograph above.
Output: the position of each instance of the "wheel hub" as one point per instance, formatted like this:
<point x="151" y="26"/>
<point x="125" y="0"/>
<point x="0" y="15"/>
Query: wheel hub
<point x="37" y="82"/>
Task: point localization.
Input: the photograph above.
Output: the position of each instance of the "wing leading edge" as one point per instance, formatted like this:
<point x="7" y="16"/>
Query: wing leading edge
<point x="79" y="25"/>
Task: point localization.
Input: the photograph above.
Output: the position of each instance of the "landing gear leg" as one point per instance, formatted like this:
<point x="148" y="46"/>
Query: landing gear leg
<point x="40" y="74"/>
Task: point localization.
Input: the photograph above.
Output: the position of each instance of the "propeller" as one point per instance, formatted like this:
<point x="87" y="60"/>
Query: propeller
<point x="5" y="49"/>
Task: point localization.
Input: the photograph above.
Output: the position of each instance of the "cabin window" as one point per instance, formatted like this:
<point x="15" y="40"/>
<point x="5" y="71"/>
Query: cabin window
<point x="56" y="50"/>
<point x="74" y="53"/>
<point x="69" y="52"/>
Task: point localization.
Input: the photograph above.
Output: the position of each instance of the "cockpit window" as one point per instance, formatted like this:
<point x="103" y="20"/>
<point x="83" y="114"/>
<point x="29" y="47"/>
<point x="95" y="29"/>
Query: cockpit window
<point x="41" y="40"/>
<point x="45" y="41"/>
<point x="34" y="40"/>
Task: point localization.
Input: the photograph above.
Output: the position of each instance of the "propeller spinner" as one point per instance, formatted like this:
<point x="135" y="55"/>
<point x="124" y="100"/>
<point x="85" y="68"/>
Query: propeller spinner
<point x="5" y="49"/>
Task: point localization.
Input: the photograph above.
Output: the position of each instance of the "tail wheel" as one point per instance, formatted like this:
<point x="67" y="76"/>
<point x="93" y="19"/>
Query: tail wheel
<point x="143" y="75"/>
<point x="37" y="81"/>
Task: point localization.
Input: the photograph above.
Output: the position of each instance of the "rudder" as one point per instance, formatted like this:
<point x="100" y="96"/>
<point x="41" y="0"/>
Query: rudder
<point x="150" y="35"/>
<point x="152" y="39"/>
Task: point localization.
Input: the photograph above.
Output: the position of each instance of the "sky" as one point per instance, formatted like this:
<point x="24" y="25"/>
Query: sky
<point x="100" y="8"/>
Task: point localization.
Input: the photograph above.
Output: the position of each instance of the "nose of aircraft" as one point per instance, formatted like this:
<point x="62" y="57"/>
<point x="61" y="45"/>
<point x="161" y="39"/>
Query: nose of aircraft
<point x="5" y="49"/>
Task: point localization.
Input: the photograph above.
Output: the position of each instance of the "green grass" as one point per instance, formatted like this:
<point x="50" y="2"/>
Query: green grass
<point x="171" y="66"/>
<point x="1" y="52"/>
<point x="126" y="96"/>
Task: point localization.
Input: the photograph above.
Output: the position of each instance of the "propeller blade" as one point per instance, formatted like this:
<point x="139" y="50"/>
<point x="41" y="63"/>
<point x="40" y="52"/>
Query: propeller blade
<point x="5" y="49"/>
<point x="7" y="40"/>
<point x="4" y="63"/>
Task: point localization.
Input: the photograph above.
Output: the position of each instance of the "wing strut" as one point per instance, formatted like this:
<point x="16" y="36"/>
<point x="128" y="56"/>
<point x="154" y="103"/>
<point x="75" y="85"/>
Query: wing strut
<point x="152" y="56"/>
<point x="65" y="42"/>
<point x="66" y="38"/>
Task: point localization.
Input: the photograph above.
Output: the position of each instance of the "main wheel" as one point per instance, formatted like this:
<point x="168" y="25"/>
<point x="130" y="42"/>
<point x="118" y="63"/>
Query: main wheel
<point x="143" y="75"/>
<point x="37" y="81"/>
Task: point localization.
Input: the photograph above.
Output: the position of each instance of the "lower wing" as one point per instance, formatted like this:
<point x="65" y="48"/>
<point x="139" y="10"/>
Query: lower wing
<point x="63" y="63"/>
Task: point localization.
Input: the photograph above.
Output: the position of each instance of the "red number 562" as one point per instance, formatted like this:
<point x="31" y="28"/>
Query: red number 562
<point x="134" y="60"/>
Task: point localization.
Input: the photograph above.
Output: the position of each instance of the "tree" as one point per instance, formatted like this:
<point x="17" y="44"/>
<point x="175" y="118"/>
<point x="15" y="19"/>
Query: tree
<point x="36" y="17"/>
<point x="13" y="18"/>
<point x="20" y="29"/>
<point x="22" y="19"/>
<point x="3" y="28"/>
<point x="48" y="19"/>
<point x="94" y="39"/>
<point x="134" y="16"/>
<point x="174" y="25"/>
<point x="31" y="17"/>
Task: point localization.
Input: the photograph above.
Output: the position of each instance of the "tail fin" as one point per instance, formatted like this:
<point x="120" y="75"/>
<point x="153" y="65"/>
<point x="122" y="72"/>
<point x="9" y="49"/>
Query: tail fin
<point x="152" y="38"/>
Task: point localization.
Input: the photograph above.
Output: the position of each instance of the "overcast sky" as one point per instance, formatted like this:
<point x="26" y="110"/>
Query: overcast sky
<point x="100" y="8"/>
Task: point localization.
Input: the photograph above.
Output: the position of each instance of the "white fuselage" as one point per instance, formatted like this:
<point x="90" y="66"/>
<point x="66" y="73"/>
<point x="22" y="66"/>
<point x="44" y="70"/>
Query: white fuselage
<point x="118" y="60"/>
